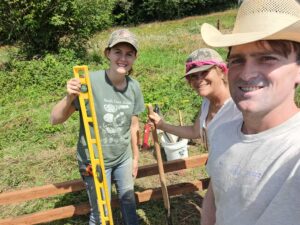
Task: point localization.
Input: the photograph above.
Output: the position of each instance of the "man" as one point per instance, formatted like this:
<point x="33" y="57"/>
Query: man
<point x="254" y="162"/>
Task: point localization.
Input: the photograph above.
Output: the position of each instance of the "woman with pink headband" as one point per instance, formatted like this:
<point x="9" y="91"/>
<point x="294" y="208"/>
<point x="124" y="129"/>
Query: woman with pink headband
<point x="206" y="73"/>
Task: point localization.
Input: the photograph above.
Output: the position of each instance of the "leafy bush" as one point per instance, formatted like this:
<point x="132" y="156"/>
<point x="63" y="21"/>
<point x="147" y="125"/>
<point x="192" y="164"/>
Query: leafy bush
<point x="47" y="74"/>
<point x="41" y="25"/>
<point x="46" y="25"/>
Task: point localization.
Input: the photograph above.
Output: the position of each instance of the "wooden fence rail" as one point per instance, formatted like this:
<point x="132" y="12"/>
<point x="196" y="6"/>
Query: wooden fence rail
<point x="46" y="191"/>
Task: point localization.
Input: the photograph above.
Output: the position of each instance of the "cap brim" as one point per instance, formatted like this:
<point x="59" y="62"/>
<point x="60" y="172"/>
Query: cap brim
<point x="198" y="69"/>
<point x="213" y="37"/>
<point x="123" y="41"/>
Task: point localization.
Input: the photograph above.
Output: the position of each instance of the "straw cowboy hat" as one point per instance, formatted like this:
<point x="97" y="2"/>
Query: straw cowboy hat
<point x="258" y="20"/>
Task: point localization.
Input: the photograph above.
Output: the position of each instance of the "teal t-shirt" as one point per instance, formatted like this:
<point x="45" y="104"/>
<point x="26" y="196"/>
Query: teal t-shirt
<point x="114" y="109"/>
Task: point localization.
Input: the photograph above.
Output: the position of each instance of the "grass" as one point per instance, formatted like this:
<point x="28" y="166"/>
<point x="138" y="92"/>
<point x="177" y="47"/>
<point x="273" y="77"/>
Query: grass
<point x="6" y="53"/>
<point x="34" y="153"/>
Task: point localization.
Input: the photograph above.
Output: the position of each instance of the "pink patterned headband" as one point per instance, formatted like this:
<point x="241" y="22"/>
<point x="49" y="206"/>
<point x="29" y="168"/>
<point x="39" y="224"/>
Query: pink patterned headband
<point x="195" y="64"/>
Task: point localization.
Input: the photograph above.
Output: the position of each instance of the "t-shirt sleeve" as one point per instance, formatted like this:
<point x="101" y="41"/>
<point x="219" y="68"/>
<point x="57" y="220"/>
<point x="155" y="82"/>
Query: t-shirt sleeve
<point x="139" y="105"/>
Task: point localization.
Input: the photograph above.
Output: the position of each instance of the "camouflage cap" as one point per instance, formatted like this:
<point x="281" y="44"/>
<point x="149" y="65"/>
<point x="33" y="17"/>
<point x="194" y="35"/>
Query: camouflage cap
<point x="202" y="55"/>
<point x="122" y="35"/>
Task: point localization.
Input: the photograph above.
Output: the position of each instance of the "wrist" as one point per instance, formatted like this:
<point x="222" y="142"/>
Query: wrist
<point x="70" y="98"/>
<point x="160" y="124"/>
<point x="135" y="159"/>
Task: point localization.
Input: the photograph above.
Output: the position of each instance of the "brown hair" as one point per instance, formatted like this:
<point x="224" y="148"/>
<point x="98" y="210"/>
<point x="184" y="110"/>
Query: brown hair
<point x="281" y="47"/>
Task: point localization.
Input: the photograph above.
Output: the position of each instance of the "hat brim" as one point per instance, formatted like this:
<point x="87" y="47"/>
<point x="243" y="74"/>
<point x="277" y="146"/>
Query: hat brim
<point x="213" y="37"/>
<point x="199" y="69"/>
<point x="123" y="41"/>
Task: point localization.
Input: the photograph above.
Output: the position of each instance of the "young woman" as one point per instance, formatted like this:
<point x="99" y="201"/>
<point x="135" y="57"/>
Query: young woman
<point x="118" y="101"/>
<point x="206" y="73"/>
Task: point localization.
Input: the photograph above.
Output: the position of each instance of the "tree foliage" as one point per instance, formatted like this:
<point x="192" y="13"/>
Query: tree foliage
<point x="139" y="11"/>
<point x="46" y="25"/>
<point x="42" y="25"/>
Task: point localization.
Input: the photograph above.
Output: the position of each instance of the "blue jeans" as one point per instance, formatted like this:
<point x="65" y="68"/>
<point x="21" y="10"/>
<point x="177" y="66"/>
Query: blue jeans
<point x="122" y="175"/>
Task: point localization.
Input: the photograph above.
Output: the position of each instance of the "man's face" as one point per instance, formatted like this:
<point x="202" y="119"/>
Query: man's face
<point x="260" y="80"/>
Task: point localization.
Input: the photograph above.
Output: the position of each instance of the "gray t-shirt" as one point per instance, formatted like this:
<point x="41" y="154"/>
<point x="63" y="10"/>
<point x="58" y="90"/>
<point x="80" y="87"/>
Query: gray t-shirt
<point x="256" y="178"/>
<point x="114" y="109"/>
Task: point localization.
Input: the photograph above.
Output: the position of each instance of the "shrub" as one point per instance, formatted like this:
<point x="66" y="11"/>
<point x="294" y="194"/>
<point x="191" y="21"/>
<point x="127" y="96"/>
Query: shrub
<point x="46" y="74"/>
<point x="41" y="25"/>
<point x="137" y="11"/>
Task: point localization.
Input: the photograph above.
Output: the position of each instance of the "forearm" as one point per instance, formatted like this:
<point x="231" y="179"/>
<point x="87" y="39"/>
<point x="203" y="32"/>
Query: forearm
<point x="134" y="129"/>
<point x="134" y="137"/>
<point x="189" y="132"/>
<point x="62" y="110"/>
<point x="208" y="216"/>
<point x="135" y="148"/>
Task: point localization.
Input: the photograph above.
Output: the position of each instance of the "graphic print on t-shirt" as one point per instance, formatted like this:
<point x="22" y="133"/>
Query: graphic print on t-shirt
<point x="115" y="121"/>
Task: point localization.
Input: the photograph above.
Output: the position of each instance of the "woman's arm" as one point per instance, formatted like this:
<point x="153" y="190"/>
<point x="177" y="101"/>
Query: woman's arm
<point x="189" y="132"/>
<point x="134" y="129"/>
<point x="64" y="108"/>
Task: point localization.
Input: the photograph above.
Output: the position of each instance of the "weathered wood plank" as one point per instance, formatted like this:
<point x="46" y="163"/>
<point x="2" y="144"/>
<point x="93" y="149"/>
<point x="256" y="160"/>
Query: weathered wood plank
<point x="41" y="192"/>
<point x="77" y="185"/>
<point x="174" y="165"/>
<point x="82" y="209"/>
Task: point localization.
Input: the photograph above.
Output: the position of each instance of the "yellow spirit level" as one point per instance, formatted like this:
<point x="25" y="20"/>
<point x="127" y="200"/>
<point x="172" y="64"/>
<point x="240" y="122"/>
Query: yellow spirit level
<point x="98" y="169"/>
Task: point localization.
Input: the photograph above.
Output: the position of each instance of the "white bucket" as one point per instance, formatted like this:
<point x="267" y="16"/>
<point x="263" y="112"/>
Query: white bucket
<point x="177" y="150"/>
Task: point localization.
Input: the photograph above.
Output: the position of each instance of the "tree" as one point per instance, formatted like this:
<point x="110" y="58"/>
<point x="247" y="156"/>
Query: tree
<point x="41" y="25"/>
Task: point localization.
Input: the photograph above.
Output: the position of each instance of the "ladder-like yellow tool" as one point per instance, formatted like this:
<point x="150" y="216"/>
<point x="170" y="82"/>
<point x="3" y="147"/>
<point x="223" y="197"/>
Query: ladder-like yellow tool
<point x="86" y="96"/>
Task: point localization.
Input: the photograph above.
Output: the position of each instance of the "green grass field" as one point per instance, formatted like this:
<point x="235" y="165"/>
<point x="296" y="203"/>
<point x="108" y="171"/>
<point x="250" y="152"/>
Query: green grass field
<point x="34" y="153"/>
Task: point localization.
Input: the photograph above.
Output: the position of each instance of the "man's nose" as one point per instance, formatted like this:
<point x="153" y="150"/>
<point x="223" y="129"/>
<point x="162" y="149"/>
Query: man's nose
<point x="249" y="71"/>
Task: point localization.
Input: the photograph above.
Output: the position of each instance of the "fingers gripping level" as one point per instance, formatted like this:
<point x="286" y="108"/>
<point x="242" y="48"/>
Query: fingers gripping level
<point x="90" y="122"/>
